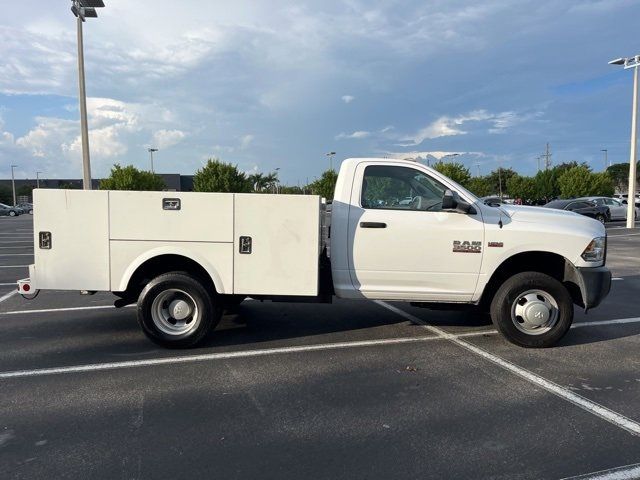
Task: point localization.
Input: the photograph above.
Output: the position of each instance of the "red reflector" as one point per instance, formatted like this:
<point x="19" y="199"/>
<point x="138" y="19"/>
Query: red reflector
<point x="26" y="287"/>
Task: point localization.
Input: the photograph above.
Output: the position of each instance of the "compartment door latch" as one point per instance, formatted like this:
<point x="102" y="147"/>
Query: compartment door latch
<point x="245" y="245"/>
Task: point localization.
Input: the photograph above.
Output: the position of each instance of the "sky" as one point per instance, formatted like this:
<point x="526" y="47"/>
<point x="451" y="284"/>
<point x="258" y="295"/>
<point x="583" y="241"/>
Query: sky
<point x="278" y="84"/>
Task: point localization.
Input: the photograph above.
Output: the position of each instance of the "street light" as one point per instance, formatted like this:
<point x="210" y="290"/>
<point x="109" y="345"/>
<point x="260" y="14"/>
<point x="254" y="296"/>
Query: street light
<point x="605" y="157"/>
<point x="38" y="179"/>
<point x="151" y="150"/>
<point x="13" y="184"/>
<point x="330" y="155"/>
<point x="277" y="169"/>
<point x="632" y="62"/>
<point x="83" y="9"/>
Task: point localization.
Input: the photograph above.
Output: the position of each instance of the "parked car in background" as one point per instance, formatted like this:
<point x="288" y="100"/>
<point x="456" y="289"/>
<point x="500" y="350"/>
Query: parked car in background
<point x="617" y="209"/>
<point x="26" y="207"/>
<point x="492" y="201"/>
<point x="6" y="210"/>
<point x="623" y="197"/>
<point x="583" y="207"/>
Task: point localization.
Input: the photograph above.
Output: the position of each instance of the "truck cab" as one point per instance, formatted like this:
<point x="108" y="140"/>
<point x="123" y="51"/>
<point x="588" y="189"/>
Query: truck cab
<point x="397" y="230"/>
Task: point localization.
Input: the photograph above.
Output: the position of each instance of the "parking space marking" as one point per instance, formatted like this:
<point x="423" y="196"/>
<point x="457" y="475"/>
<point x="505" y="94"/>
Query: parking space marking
<point x="618" y="321"/>
<point x="594" y="408"/>
<point x="39" y="372"/>
<point x="14" y="266"/>
<point x="67" y="309"/>
<point x="627" y="472"/>
<point x="8" y="295"/>
<point x="15" y="254"/>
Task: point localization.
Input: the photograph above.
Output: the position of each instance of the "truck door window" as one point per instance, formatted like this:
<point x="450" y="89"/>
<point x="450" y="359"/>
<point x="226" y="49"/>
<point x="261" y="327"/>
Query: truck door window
<point x="400" y="188"/>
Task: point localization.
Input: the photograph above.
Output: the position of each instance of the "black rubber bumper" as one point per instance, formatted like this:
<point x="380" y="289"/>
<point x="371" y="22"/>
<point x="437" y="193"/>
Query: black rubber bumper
<point x="596" y="283"/>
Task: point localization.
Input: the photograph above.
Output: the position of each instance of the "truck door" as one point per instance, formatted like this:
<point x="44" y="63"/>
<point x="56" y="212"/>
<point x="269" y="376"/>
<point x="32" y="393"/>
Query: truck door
<point x="402" y="245"/>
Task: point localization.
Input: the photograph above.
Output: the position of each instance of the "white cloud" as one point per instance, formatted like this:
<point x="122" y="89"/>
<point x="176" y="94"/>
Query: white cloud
<point x="447" y="126"/>
<point x="167" y="138"/>
<point x="245" y="141"/>
<point x="435" y="155"/>
<point x="355" y="135"/>
<point x="348" y="98"/>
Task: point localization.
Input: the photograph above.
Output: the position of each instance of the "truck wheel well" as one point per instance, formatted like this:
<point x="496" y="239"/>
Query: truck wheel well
<point x="163" y="264"/>
<point x="551" y="264"/>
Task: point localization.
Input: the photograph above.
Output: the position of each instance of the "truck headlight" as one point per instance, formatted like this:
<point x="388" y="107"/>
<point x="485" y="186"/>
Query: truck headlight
<point x="596" y="250"/>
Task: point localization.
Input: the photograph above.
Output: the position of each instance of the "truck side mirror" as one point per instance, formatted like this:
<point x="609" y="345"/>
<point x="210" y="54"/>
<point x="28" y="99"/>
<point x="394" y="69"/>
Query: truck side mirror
<point x="449" y="201"/>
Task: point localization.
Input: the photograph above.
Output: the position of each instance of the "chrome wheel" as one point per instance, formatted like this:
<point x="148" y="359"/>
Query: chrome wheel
<point x="175" y="312"/>
<point x="534" y="312"/>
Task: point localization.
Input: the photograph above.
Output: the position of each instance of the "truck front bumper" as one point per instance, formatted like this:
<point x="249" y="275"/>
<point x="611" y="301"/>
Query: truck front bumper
<point x="595" y="285"/>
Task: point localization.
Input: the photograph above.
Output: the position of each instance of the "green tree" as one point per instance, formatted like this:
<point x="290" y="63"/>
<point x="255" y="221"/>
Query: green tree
<point x="619" y="173"/>
<point x="498" y="176"/>
<point x="480" y="186"/>
<point x="263" y="183"/>
<point x="601" y="185"/>
<point x="291" y="190"/>
<point x="217" y="176"/>
<point x="546" y="185"/>
<point x="522" y="187"/>
<point x="72" y="186"/>
<point x="579" y="181"/>
<point x="6" y="195"/>
<point x="325" y="185"/>
<point x="25" y="190"/>
<point x="455" y="171"/>
<point x="130" y="178"/>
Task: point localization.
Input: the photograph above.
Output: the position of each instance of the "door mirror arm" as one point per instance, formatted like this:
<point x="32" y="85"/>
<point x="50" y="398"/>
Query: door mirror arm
<point x="452" y="202"/>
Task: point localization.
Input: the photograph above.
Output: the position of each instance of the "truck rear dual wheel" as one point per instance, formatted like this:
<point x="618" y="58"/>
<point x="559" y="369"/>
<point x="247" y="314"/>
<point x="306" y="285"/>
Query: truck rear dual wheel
<point x="532" y="309"/>
<point x="175" y="310"/>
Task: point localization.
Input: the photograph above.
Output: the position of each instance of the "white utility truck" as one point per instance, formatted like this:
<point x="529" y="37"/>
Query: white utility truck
<point x="396" y="230"/>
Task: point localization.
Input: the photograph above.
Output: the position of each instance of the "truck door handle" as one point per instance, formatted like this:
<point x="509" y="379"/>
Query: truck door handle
<point x="373" y="225"/>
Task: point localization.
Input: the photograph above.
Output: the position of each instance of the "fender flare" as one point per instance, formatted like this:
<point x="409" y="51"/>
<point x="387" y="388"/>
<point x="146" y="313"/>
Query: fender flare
<point x="179" y="251"/>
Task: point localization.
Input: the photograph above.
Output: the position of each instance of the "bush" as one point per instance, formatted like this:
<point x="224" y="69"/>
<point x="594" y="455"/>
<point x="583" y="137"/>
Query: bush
<point x="130" y="178"/>
<point x="217" y="176"/>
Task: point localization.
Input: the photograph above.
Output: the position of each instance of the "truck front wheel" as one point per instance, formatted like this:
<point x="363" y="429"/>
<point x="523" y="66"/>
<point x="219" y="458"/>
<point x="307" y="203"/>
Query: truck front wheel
<point x="175" y="310"/>
<point x="532" y="309"/>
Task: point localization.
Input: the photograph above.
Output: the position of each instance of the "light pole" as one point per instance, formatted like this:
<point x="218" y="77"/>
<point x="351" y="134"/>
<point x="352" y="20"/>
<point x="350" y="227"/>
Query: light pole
<point x="151" y="150"/>
<point x="277" y="180"/>
<point x="330" y="155"/>
<point x="83" y="9"/>
<point x="605" y="157"/>
<point x="38" y="179"/>
<point x="632" y="62"/>
<point x="13" y="184"/>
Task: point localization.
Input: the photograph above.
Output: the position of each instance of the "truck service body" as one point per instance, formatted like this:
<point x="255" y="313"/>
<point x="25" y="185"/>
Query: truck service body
<point x="396" y="230"/>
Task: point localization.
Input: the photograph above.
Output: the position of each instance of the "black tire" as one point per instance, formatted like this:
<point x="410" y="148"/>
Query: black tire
<point x="503" y="308"/>
<point x="12" y="213"/>
<point x="601" y="218"/>
<point x="183" y="334"/>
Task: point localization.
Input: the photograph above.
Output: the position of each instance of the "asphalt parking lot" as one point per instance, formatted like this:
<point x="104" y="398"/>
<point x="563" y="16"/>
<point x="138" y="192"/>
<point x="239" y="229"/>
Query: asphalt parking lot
<point x="349" y="390"/>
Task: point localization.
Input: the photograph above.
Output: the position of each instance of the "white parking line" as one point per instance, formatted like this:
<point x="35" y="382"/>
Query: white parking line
<point x="210" y="356"/>
<point x="18" y="241"/>
<point x="8" y="295"/>
<point x="624" y="235"/>
<point x="628" y="472"/>
<point x="14" y="266"/>
<point x="618" y="321"/>
<point x="67" y="309"/>
<point x="15" y="254"/>
<point x="594" y="408"/>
